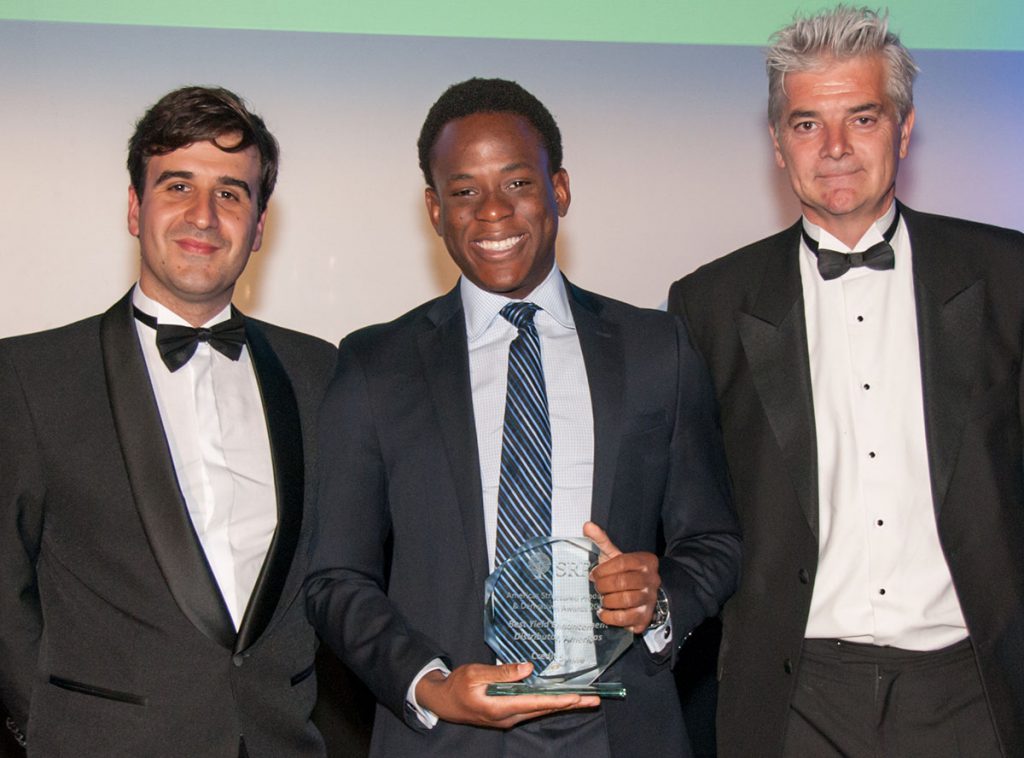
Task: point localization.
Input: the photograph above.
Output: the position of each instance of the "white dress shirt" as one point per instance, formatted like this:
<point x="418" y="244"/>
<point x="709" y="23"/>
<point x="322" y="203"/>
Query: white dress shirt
<point x="882" y="578"/>
<point x="572" y="417"/>
<point x="216" y="430"/>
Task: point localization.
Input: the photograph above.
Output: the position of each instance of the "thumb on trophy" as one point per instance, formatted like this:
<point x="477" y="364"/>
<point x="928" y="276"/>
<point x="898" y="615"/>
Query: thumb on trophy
<point x="601" y="539"/>
<point x="512" y="672"/>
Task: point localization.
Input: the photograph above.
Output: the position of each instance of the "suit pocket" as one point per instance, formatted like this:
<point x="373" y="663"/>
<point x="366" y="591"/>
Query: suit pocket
<point x="101" y="692"/>
<point x="645" y="423"/>
<point x="303" y="675"/>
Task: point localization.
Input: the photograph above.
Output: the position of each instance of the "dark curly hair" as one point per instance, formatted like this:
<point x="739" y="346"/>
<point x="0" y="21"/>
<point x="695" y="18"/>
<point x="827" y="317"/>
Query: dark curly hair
<point x="201" y="114"/>
<point x="488" y="96"/>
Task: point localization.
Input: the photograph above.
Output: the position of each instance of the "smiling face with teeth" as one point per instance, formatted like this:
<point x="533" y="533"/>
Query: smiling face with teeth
<point x="496" y="203"/>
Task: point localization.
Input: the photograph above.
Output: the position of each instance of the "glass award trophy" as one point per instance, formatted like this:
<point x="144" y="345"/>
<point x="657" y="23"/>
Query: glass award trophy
<point x="540" y="606"/>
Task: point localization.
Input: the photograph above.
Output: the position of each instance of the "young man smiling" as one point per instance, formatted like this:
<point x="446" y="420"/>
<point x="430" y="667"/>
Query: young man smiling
<point x="154" y="510"/>
<point x="415" y="435"/>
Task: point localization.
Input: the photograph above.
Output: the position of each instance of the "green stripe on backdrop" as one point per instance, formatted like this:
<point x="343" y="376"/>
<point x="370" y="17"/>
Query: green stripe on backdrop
<point x="946" y="24"/>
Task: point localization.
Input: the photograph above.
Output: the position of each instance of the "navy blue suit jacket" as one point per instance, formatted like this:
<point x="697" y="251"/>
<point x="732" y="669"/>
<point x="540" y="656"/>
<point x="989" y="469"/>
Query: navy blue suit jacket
<point x="401" y="486"/>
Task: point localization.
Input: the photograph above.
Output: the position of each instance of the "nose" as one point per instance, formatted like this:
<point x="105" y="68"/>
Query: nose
<point x="202" y="211"/>
<point x="493" y="206"/>
<point x="836" y="143"/>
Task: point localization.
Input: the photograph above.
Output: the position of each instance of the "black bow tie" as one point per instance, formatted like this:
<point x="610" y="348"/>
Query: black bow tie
<point x="832" y="264"/>
<point x="177" y="344"/>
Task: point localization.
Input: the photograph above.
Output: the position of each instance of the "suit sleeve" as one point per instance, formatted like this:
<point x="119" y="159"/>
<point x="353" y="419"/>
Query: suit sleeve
<point x="21" y="521"/>
<point x="700" y="570"/>
<point x="346" y="595"/>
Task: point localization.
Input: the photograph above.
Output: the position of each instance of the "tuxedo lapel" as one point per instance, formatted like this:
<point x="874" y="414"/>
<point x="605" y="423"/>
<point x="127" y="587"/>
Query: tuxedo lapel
<point x="285" y="432"/>
<point x="445" y="356"/>
<point x="774" y="337"/>
<point x="950" y="306"/>
<point x="152" y="479"/>
<point x="601" y="345"/>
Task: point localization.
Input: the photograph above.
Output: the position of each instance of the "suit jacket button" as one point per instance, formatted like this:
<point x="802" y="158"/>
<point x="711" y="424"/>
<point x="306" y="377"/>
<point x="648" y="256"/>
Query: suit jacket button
<point x="788" y="666"/>
<point x="804" y="576"/>
<point x="238" y="660"/>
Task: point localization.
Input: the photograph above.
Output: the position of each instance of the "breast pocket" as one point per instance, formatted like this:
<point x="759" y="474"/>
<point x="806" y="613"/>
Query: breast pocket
<point x="645" y="425"/>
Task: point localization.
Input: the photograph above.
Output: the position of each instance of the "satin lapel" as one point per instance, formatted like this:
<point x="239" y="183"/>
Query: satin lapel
<point x="285" y="433"/>
<point x="774" y="337"/>
<point x="601" y="345"/>
<point x="445" y="355"/>
<point x="950" y="306"/>
<point x="153" y="482"/>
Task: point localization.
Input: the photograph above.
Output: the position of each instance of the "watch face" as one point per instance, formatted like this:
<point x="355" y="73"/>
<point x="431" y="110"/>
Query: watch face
<point x="660" y="615"/>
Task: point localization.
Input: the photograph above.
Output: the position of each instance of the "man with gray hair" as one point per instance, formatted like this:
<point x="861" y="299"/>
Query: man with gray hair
<point x="868" y="365"/>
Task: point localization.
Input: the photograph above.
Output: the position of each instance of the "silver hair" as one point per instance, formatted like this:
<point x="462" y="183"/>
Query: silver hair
<point x="841" y="33"/>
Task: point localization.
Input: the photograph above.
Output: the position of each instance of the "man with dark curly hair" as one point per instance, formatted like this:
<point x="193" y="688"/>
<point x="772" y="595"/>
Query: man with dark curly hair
<point x="157" y="463"/>
<point x="488" y="96"/>
<point x="426" y="477"/>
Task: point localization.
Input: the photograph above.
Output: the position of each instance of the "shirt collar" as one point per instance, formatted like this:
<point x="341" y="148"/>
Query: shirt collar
<point x="872" y="235"/>
<point x="165" y="315"/>
<point x="483" y="307"/>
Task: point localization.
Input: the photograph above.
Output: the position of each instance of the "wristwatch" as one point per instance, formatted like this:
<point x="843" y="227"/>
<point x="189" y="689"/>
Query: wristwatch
<point x="660" y="615"/>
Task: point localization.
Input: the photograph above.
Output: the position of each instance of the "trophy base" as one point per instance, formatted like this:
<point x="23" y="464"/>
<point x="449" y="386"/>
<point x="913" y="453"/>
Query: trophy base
<point x="611" y="690"/>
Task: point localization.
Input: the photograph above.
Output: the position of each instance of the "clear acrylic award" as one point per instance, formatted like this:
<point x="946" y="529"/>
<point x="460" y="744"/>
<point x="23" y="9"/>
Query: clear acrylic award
<point x="540" y="606"/>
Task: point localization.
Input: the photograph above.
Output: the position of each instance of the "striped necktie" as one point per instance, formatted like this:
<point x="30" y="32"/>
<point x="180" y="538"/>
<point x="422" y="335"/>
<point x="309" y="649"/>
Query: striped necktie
<point x="524" y="487"/>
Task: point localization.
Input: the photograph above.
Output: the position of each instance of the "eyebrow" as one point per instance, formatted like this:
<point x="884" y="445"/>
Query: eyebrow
<point x="515" y="167"/>
<point x="228" y="180"/>
<point x="872" y="106"/>
<point x="862" y="108"/>
<point x="504" y="169"/>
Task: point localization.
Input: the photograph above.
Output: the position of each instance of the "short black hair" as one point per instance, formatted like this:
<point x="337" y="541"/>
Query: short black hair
<point x="488" y="96"/>
<point x="201" y="114"/>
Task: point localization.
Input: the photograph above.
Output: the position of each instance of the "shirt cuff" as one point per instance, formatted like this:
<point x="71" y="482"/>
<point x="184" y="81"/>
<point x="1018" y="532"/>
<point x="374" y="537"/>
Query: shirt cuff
<point x="427" y="717"/>
<point x="658" y="638"/>
<point x="19" y="736"/>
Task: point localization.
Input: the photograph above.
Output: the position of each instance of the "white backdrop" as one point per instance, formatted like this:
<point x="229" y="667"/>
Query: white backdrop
<point x="666" y="147"/>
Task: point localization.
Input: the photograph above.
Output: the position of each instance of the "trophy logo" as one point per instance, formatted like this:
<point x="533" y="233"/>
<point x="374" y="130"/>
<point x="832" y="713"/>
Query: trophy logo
<point x="538" y="562"/>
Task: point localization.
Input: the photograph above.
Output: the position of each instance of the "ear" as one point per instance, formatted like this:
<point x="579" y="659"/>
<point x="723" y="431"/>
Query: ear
<point x="780" y="161"/>
<point x="905" y="129"/>
<point x="133" y="211"/>
<point x="560" y="185"/>
<point x="433" y="208"/>
<point x="257" y="239"/>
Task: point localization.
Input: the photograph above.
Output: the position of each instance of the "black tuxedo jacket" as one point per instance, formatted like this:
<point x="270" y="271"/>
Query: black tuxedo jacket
<point x="115" y="640"/>
<point x="746" y="315"/>
<point x="401" y="485"/>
